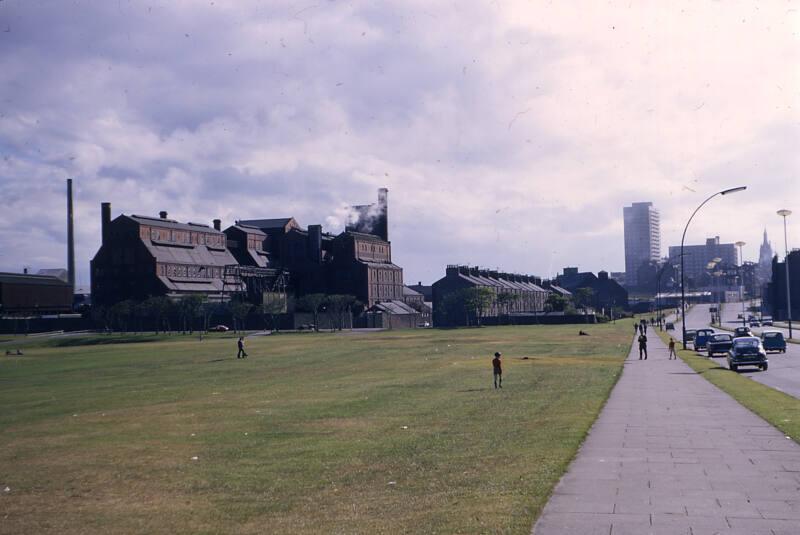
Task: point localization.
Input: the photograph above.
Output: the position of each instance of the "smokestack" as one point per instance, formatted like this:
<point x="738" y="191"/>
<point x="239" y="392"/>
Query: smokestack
<point x="382" y="229"/>
<point x="162" y="214"/>
<point x="217" y="224"/>
<point x="70" y="238"/>
<point x="105" y="219"/>
<point x="315" y="243"/>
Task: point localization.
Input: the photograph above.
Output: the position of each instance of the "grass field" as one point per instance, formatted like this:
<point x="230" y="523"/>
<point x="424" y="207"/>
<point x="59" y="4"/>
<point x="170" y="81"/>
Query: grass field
<point x="392" y="432"/>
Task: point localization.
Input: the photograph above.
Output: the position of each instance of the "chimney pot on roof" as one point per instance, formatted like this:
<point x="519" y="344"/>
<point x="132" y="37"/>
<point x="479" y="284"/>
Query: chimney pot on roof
<point x="217" y="224"/>
<point x="25" y="271"/>
<point x="162" y="214"/>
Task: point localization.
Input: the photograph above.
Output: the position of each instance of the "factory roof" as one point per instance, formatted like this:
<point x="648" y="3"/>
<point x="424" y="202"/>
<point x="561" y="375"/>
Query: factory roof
<point x="198" y="254"/>
<point x="59" y="273"/>
<point x="410" y="291"/>
<point x="275" y="223"/>
<point x="171" y="223"/>
<point x="393" y="307"/>
<point x="24" y="278"/>
<point x="248" y="229"/>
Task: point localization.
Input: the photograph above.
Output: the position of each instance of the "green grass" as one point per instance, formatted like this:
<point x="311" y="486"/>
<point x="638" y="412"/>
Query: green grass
<point x="779" y="409"/>
<point x="392" y="432"/>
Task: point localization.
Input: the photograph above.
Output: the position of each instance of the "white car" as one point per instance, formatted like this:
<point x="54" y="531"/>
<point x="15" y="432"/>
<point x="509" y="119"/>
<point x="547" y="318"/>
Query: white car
<point x="219" y="329"/>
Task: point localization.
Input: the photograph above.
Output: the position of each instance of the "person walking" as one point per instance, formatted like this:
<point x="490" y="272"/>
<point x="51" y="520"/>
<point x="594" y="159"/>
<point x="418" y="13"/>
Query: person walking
<point x="497" y="370"/>
<point x="241" y="354"/>
<point x="642" y="346"/>
<point x="635" y="329"/>
<point x="672" y="354"/>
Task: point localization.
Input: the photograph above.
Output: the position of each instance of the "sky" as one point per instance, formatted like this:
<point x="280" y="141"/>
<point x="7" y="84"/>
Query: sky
<point x="510" y="134"/>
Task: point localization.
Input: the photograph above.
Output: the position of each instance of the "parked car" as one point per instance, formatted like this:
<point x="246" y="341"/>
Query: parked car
<point x="747" y="351"/>
<point x="670" y="326"/>
<point x="739" y="332"/>
<point x="767" y="323"/>
<point x="755" y="323"/>
<point x="701" y="338"/>
<point x="219" y="329"/>
<point x="719" y="343"/>
<point x="773" y="341"/>
<point x="690" y="334"/>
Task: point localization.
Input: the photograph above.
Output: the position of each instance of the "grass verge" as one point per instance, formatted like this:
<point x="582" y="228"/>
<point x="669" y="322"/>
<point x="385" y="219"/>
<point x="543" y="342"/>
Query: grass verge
<point x="777" y="408"/>
<point x="392" y="432"/>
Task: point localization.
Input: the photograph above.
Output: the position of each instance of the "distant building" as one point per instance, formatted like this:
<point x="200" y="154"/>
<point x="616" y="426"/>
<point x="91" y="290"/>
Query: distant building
<point x="697" y="258"/>
<point x="416" y="300"/>
<point x="529" y="296"/>
<point x="642" y="238"/>
<point x="765" y="254"/>
<point x="606" y="292"/>
<point x="22" y="294"/>
<point x="776" y="289"/>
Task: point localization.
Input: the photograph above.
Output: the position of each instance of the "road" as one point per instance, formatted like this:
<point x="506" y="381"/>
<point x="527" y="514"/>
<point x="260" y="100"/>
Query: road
<point x="784" y="368"/>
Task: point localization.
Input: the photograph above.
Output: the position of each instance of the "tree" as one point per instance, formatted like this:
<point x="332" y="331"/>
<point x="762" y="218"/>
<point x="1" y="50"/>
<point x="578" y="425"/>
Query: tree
<point x="100" y="316"/>
<point x="273" y="306"/>
<point x="555" y="302"/>
<point x="158" y="308"/>
<point x="583" y="298"/>
<point x="188" y="307"/>
<point x="312" y="303"/>
<point x="121" y="312"/>
<point x="338" y="308"/>
<point x="239" y="311"/>
<point x="479" y="299"/>
<point x="505" y="300"/>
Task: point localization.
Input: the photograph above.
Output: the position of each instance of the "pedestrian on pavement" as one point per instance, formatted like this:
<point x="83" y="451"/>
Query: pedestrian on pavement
<point x="497" y="370"/>
<point x="642" y="346"/>
<point x="672" y="354"/>
<point x="635" y="329"/>
<point x="241" y="354"/>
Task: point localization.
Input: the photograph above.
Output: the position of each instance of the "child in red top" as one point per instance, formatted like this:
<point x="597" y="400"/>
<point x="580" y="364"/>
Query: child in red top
<point x="497" y="367"/>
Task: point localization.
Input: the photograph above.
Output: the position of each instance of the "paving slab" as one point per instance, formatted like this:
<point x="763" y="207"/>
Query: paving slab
<point x="671" y="453"/>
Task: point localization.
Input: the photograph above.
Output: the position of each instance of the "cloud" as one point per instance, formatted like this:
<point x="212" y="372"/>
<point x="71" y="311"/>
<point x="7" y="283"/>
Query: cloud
<point x="509" y="135"/>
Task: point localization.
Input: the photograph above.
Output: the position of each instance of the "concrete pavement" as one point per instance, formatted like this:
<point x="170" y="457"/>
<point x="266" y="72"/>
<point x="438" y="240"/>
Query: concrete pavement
<point x="672" y="454"/>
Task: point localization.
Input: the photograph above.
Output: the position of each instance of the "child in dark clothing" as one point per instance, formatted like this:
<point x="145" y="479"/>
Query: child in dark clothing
<point x="497" y="368"/>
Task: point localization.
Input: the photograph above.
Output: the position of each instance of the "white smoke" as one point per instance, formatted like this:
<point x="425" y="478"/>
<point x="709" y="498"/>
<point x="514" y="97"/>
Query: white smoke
<point x="363" y="218"/>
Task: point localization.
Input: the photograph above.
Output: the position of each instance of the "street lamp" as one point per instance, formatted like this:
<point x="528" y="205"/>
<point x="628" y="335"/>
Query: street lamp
<point x="658" y="292"/>
<point x="783" y="214"/>
<point x="741" y="244"/>
<point x="683" y="239"/>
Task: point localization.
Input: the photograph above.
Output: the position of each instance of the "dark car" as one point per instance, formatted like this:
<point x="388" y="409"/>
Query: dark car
<point x="739" y="332"/>
<point x="754" y="323"/>
<point x="719" y="343"/>
<point x="690" y="334"/>
<point x="747" y="351"/>
<point x="767" y="323"/>
<point x="701" y="338"/>
<point x="670" y="326"/>
<point x="773" y="341"/>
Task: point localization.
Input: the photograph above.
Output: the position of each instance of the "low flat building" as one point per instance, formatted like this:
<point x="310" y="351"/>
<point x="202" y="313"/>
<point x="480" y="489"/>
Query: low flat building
<point x="24" y="294"/>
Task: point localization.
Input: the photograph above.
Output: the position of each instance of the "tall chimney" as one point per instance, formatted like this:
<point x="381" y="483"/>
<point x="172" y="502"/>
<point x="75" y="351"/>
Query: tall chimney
<point x="217" y="224"/>
<point x="70" y="238"/>
<point x="315" y="243"/>
<point x="105" y="220"/>
<point x="382" y="228"/>
<point x="162" y="214"/>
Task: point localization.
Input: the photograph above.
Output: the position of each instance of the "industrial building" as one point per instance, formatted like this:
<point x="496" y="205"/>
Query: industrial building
<point x="144" y="256"/>
<point x="642" y="239"/>
<point x="528" y="295"/>
<point x="775" y="293"/>
<point x="25" y="294"/>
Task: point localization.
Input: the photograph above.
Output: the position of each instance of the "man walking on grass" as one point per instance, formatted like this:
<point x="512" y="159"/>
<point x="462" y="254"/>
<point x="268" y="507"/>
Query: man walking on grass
<point x="241" y="354"/>
<point x="642" y="346"/>
<point x="497" y="369"/>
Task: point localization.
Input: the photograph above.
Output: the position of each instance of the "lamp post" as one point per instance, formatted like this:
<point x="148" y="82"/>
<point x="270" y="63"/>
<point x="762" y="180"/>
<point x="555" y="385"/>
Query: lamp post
<point x="783" y="214"/>
<point x="741" y="244"/>
<point x="683" y="239"/>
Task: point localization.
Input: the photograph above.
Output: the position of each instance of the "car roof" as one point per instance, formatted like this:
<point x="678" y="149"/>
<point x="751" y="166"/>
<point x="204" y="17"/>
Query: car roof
<point x="746" y="338"/>
<point x="771" y="332"/>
